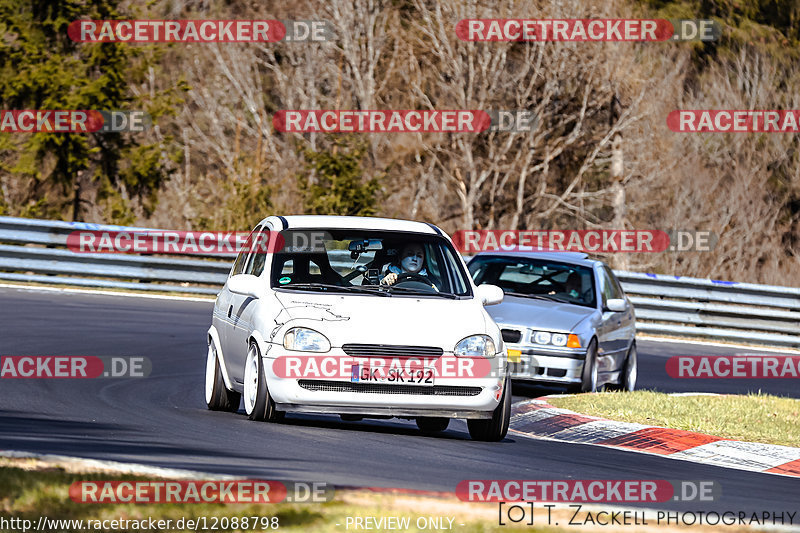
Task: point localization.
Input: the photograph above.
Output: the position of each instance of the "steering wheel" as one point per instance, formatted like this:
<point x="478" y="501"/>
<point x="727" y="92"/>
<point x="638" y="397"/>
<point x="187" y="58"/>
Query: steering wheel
<point x="411" y="276"/>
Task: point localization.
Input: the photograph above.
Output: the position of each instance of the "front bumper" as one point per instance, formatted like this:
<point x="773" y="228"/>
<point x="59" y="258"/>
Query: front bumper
<point x="545" y="364"/>
<point x="453" y="397"/>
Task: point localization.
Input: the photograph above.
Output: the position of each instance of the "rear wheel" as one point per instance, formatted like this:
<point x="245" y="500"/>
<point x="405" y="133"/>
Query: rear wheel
<point x="257" y="402"/>
<point x="218" y="397"/>
<point x="432" y="424"/>
<point x="495" y="428"/>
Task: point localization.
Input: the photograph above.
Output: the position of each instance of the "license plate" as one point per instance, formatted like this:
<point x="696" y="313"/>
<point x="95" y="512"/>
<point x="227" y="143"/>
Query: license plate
<point x="514" y="356"/>
<point x="400" y="376"/>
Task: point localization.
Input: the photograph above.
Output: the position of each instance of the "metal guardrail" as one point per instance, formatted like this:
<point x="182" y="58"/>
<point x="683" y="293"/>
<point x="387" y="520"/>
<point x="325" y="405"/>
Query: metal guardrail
<point x="726" y="310"/>
<point x="50" y="262"/>
<point x="35" y="251"/>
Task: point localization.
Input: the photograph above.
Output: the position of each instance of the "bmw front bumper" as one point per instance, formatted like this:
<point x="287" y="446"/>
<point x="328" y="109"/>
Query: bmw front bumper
<point x="542" y="363"/>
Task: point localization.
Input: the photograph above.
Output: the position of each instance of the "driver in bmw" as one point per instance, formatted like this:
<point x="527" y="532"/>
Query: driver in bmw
<point x="412" y="259"/>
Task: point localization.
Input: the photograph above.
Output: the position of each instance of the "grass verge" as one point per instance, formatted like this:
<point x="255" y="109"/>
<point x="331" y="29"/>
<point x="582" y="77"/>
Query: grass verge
<point x="30" y="488"/>
<point x="753" y="417"/>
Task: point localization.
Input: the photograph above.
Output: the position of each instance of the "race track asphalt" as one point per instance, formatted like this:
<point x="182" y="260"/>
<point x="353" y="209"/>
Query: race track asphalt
<point x="162" y="420"/>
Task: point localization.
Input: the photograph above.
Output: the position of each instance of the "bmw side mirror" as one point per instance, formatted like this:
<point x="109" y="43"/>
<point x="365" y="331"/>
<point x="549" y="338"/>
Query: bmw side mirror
<point x="617" y="305"/>
<point x="246" y="285"/>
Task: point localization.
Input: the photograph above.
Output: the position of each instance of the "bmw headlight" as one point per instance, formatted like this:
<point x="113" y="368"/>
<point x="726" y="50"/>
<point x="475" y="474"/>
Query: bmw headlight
<point x="570" y="340"/>
<point x="305" y="340"/>
<point x="476" y="346"/>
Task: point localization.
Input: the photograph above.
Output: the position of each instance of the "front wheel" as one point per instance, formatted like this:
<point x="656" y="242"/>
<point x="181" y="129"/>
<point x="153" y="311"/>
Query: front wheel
<point x="218" y="397"/>
<point x="258" y="403"/>
<point x="589" y="372"/>
<point x="630" y="372"/>
<point x="495" y="428"/>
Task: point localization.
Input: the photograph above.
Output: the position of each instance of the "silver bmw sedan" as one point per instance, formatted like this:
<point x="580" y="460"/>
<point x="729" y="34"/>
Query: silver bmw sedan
<point x="565" y="319"/>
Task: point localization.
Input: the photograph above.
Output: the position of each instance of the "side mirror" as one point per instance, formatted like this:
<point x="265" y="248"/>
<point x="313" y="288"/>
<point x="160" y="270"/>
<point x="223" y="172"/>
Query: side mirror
<point x="246" y="285"/>
<point x="616" y="305"/>
<point x="489" y="294"/>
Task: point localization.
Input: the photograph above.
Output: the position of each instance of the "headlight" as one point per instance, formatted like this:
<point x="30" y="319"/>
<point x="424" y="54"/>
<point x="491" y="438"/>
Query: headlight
<point x="559" y="339"/>
<point x="305" y="340"/>
<point x="570" y="340"/>
<point x="476" y="346"/>
<point x="541" y="337"/>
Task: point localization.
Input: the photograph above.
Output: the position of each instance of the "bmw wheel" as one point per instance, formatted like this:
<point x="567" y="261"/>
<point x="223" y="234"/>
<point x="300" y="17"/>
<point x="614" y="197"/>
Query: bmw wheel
<point x="627" y="380"/>
<point x="589" y="372"/>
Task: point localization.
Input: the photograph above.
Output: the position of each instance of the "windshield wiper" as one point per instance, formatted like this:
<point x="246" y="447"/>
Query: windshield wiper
<point x="409" y="290"/>
<point x="538" y="296"/>
<point x="336" y="288"/>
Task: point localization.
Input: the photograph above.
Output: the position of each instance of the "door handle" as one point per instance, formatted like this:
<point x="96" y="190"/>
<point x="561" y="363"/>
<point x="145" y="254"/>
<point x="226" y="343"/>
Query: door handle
<point x="230" y="310"/>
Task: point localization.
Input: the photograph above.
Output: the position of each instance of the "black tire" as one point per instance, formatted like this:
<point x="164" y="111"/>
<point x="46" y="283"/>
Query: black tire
<point x="263" y="408"/>
<point x="495" y="428"/>
<point x="630" y="372"/>
<point x="432" y="424"/>
<point x="589" y="372"/>
<point x="218" y="397"/>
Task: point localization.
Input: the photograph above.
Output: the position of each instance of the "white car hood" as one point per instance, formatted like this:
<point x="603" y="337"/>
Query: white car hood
<point x="383" y="320"/>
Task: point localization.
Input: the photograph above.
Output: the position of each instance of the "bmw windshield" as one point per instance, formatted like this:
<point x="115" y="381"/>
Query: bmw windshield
<point x="536" y="278"/>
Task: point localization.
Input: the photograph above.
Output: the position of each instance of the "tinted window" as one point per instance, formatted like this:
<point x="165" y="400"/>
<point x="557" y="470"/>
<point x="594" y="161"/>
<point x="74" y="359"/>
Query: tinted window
<point x="258" y="254"/>
<point x="244" y="254"/>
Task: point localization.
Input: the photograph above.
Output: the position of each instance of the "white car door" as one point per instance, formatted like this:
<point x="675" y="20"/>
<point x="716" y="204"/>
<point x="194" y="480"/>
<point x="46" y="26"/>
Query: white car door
<point x="243" y="308"/>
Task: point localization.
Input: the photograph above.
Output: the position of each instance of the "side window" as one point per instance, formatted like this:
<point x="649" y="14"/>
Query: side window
<point x="258" y="255"/>
<point x="616" y="289"/>
<point x="241" y="259"/>
<point x="452" y="263"/>
<point x="608" y="285"/>
<point x="432" y="264"/>
<point x="605" y="285"/>
<point x="238" y="265"/>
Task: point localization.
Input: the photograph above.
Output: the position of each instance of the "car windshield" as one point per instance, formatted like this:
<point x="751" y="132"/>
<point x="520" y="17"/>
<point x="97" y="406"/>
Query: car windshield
<point x="355" y="261"/>
<point x="536" y="278"/>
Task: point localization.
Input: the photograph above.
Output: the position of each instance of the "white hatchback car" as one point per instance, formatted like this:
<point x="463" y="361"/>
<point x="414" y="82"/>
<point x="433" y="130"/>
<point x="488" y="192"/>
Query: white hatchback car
<point x="361" y="317"/>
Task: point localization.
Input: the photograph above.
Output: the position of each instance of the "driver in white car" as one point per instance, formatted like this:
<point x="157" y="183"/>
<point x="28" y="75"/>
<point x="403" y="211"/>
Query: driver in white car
<point x="412" y="259"/>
